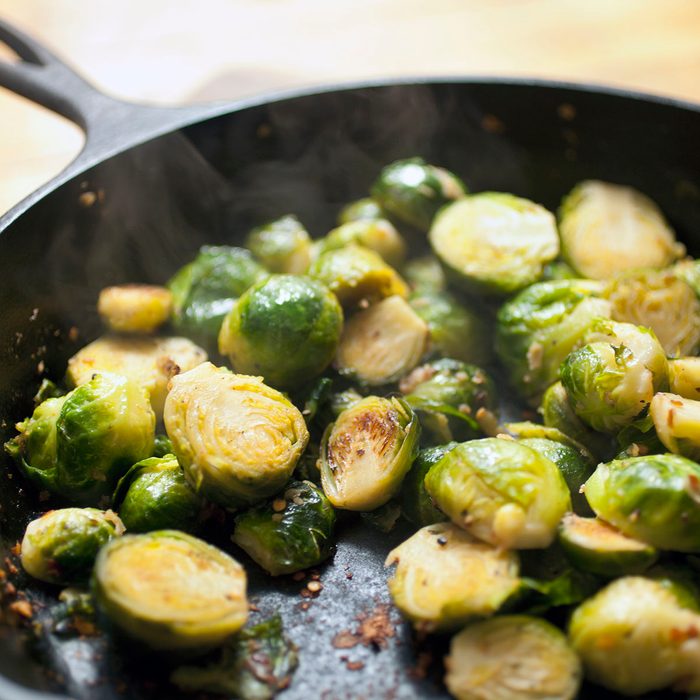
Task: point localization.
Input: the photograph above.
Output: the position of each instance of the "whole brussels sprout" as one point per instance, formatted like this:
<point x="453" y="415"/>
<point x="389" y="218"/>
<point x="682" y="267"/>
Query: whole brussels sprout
<point x="425" y="274"/>
<point x="494" y="243"/>
<point x="170" y="591"/>
<point x="79" y="445"/>
<point x="607" y="228"/>
<point x="292" y="532"/>
<point x="684" y="377"/>
<point x="237" y="439"/>
<point x="377" y="234"/>
<point x="517" y="657"/>
<point x="500" y="491"/>
<point x="412" y="190"/>
<point x="61" y="546"/>
<point x="613" y="378"/>
<point x="359" y="210"/>
<point x="285" y="328"/>
<point x="154" y="495"/>
<point x="676" y="422"/>
<point x="636" y="636"/>
<point x="655" y="498"/>
<point x="539" y="327"/>
<point x="367" y="452"/>
<point x="282" y="245"/>
<point x="134" y="308"/>
<point x="444" y="577"/>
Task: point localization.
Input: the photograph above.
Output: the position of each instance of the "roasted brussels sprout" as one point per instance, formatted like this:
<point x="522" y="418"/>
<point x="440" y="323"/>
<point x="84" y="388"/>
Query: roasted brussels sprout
<point x="425" y="274"/>
<point x="285" y="328"/>
<point x="539" y="327"/>
<point x="494" y="243"/>
<point x="684" y="377"/>
<point x="170" y="590"/>
<point x="514" y="657"/>
<point x="282" y="245"/>
<point x="636" y="636"/>
<point x="61" y="546"/>
<point x="292" y="532"/>
<point x="500" y="491"/>
<point x="606" y="229"/>
<point x="134" y="308"/>
<point x="154" y="495"/>
<point x="444" y="577"/>
<point x="655" y="498"/>
<point x="79" y="445"/>
<point x="378" y="235"/>
<point x="412" y="190"/>
<point x="614" y="377"/>
<point x="382" y="343"/>
<point x="150" y="362"/>
<point x="676" y="421"/>
<point x="237" y="439"/>
<point x="366" y="453"/>
<point x="360" y="210"/>
<point x="688" y="270"/>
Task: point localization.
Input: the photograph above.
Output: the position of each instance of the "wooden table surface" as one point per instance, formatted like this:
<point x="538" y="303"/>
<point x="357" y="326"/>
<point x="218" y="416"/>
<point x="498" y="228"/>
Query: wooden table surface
<point x="176" y="51"/>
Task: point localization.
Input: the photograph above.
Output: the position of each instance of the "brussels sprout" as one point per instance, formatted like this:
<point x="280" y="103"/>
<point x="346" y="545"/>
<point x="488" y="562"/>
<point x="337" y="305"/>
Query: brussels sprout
<point x="282" y="245"/>
<point x="286" y="328"/>
<point x="292" y="532"/>
<point x="382" y="343"/>
<point x="455" y="330"/>
<point x="634" y="636"/>
<point x="237" y="439"/>
<point x="613" y="378"/>
<point x="655" y="498"/>
<point x="593" y="545"/>
<point x="539" y="327"/>
<point x="447" y="394"/>
<point x="47" y="390"/>
<point x="425" y="274"/>
<point x="515" y="657"/>
<point x="150" y="362"/>
<point x="523" y="430"/>
<point x="494" y="243"/>
<point x="153" y="495"/>
<point x="558" y="270"/>
<point x="366" y="453"/>
<point x="684" y="377"/>
<point x="360" y="210"/>
<point x="170" y="590"/>
<point x="134" y="308"/>
<point x="378" y="235"/>
<point x="204" y="290"/>
<point x="61" y="545"/>
<point x="688" y="270"/>
<point x="412" y="190"/>
<point x="356" y="274"/>
<point x="444" y="577"/>
<point x="162" y="446"/>
<point x="416" y="504"/>
<point x="676" y="421"/>
<point x="658" y="300"/>
<point x="606" y="229"/>
<point x="500" y="491"/>
<point x="79" y="445"/>
<point x="537" y="596"/>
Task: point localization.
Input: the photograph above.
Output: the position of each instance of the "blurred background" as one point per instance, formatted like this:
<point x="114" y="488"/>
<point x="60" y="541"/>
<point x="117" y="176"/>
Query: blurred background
<point x="181" y="51"/>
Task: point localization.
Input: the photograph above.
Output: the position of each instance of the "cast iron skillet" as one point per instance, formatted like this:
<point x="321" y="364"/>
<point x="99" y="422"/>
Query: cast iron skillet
<point x="152" y="185"/>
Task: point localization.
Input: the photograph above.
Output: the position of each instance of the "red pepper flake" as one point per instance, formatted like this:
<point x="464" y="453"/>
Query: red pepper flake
<point x="346" y="640"/>
<point x="253" y="607"/>
<point x="299" y="576"/>
<point x="354" y="665"/>
<point x="22" y="608"/>
<point x="10" y="566"/>
<point x="17" y="549"/>
<point x="315" y="586"/>
<point x="10" y="589"/>
<point x="348" y="575"/>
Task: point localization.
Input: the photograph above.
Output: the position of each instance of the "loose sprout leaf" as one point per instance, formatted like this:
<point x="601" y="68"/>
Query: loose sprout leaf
<point x="282" y="245"/>
<point x="383" y="518"/>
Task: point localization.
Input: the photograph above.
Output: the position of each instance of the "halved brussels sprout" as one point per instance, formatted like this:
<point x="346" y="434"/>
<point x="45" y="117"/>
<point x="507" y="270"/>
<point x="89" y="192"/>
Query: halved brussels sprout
<point x="292" y="532"/>
<point x="613" y="378"/>
<point x="607" y="228"/>
<point x="285" y="328"/>
<point x="377" y="234"/>
<point x="154" y="495"/>
<point x="360" y="210"/>
<point x="639" y="438"/>
<point x="356" y="274"/>
<point x="655" y="498"/>
<point x="635" y="636"/>
<point x="500" y="491"/>
<point x="593" y="545"/>
<point x="237" y="439"/>
<point x="657" y="299"/>
<point x="412" y="190"/>
<point x="676" y="421"/>
<point x="494" y="243"/>
<point x="514" y="657"/>
<point x="444" y="577"/>
<point x="382" y="343"/>
<point x="366" y="453"/>
<point x="539" y="327"/>
<point x="134" y="308"/>
<point x="425" y="274"/>
<point x="684" y="377"/>
<point x="282" y="245"/>
<point x="150" y="362"/>
<point x="79" y="445"/>
<point x="61" y="545"/>
<point x="170" y="590"/>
